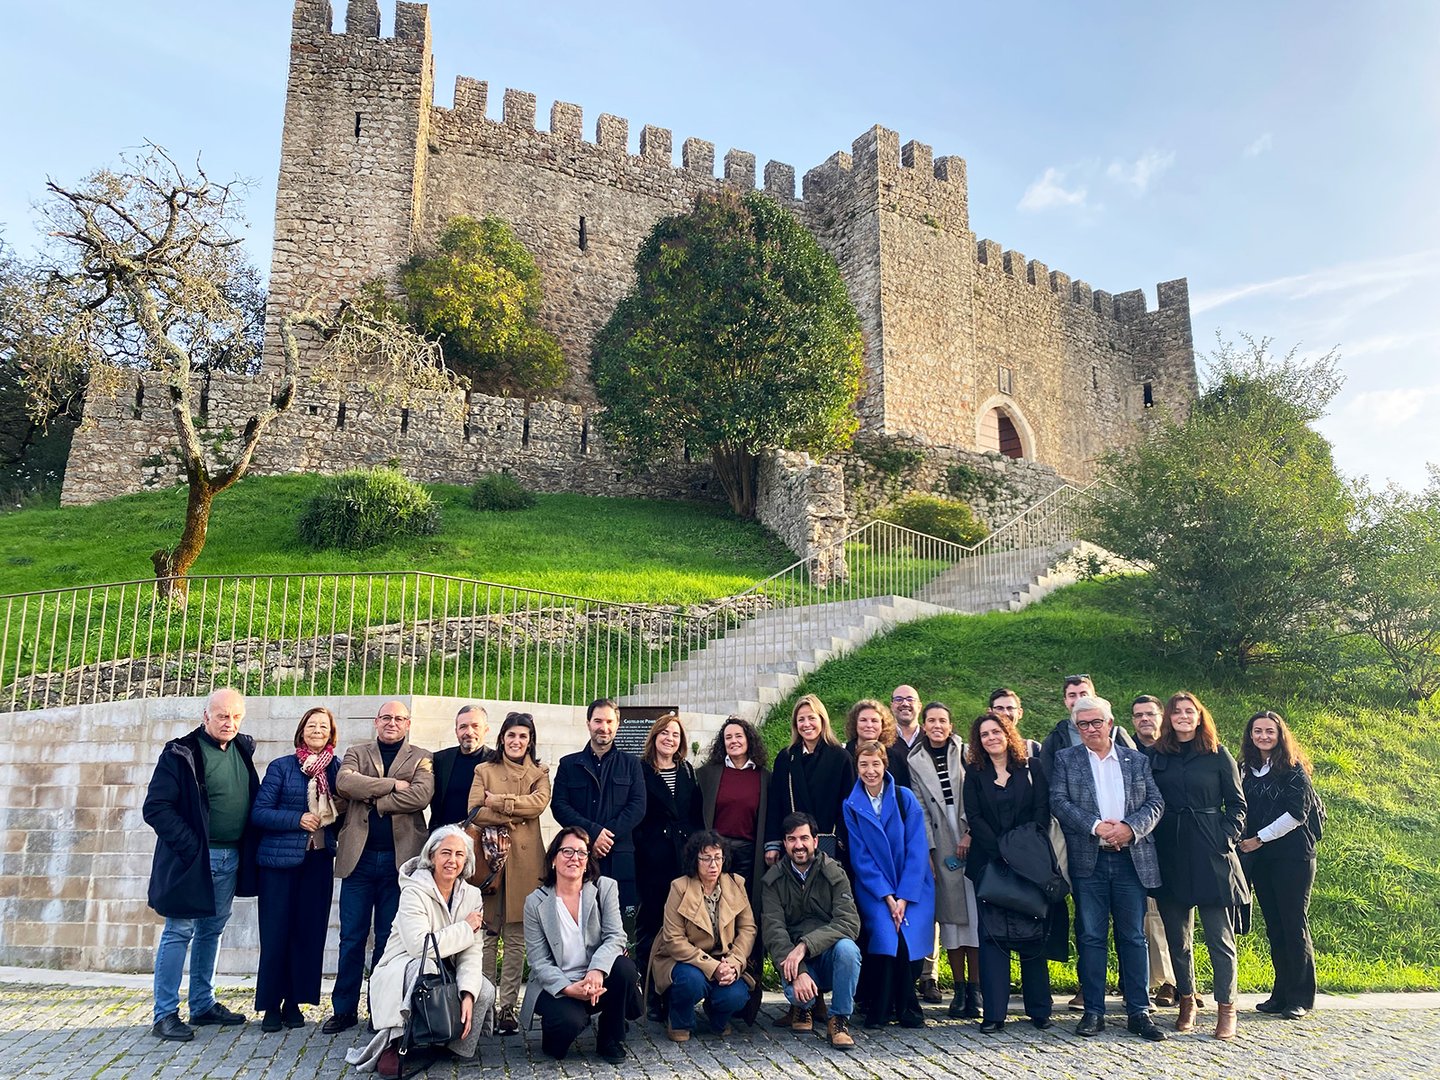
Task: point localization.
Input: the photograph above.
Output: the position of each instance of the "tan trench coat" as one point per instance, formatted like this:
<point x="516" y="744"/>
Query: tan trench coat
<point x="518" y="795"/>
<point x="688" y="938"/>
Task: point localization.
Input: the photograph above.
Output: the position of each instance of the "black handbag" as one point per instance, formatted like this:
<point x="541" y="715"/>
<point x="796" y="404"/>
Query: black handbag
<point x="434" y="1004"/>
<point x="1003" y="888"/>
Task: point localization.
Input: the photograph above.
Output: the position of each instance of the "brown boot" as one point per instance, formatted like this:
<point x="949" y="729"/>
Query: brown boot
<point x="1225" y="1022"/>
<point x="839" y="1032"/>
<point x="1186" y="1020"/>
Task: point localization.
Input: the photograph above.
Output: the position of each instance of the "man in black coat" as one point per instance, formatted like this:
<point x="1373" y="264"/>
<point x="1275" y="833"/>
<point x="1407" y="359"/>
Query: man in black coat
<point x="602" y="790"/>
<point x="455" y="767"/>
<point x="199" y="803"/>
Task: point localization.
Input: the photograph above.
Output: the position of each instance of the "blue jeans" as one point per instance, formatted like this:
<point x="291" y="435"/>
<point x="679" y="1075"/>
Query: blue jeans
<point x="1112" y="890"/>
<point x="689" y="986"/>
<point x="178" y="935"/>
<point x="836" y="969"/>
<point x="372" y="891"/>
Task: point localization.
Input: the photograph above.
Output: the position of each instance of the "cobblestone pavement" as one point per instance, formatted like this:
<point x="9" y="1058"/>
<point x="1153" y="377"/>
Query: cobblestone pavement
<point x="69" y="1031"/>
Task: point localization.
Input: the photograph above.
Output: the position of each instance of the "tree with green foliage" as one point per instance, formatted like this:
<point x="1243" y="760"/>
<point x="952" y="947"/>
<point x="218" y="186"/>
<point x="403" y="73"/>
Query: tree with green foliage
<point x="479" y="292"/>
<point x="1238" y="511"/>
<point x="145" y="273"/>
<point x="1396" y="581"/>
<point x="737" y="336"/>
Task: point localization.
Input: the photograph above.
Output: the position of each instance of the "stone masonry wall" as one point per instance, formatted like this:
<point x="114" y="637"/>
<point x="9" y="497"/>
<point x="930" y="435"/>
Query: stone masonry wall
<point x="802" y="501"/>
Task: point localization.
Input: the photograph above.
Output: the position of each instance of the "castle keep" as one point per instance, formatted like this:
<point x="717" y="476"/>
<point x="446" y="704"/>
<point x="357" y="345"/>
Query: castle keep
<point x="968" y="347"/>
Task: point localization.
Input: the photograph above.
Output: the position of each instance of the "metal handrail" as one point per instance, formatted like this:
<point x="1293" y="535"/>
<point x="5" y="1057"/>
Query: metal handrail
<point x="389" y="632"/>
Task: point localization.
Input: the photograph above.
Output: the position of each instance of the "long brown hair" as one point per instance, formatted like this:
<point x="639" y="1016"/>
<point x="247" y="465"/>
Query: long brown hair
<point x="661" y="723"/>
<point x="888" y="733"/>
<point x="1287" y="754"/>
<point x="1206" y="738"/>
<point x="1015" y="749"/>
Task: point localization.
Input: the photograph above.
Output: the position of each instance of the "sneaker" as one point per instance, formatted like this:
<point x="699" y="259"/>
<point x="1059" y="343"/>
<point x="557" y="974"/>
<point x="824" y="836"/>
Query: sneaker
<point x="172" y="1029"/>
<point x="839" y="1031"/>
<point x="929" y="991"/>
<point x="505" y="1023"/>
<point x="219" y="1014"/>
<point x="339" y="1022"/>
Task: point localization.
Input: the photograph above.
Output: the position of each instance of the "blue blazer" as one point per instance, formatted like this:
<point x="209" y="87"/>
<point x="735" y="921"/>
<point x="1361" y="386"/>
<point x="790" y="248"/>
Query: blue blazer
<point x="1073" y="802"/>
<point x="277" y="810"/>
<point x="890" y="856"/>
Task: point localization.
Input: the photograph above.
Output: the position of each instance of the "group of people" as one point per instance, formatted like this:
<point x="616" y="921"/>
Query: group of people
<point x="666" y="884"/>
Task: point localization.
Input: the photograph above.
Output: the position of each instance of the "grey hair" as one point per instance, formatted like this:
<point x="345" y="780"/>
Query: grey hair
<point x="438" y="837"/>
<point x="473" y="708"/>
<point x="1093" y="703"/>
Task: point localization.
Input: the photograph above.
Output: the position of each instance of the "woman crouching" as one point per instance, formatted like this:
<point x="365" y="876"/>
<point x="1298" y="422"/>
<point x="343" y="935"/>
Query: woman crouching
<point x="434" y="899"/>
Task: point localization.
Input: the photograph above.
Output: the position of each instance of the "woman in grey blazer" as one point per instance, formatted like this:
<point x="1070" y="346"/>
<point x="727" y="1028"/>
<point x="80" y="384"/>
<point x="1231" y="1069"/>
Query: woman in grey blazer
<point x="575" y="943"/>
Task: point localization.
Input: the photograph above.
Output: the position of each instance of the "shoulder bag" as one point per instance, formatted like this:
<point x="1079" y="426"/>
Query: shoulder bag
<point x="434" y="1018"/>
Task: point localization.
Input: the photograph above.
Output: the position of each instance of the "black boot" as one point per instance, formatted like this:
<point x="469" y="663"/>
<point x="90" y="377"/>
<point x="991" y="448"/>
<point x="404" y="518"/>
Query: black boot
<point x="971" y="1010"/>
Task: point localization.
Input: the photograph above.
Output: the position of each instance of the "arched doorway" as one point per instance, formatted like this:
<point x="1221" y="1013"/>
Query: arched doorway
<point x="1002" y="430"/>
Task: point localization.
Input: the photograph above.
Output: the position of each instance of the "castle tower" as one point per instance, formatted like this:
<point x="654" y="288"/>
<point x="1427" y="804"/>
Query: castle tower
<point x="352" y="158"/>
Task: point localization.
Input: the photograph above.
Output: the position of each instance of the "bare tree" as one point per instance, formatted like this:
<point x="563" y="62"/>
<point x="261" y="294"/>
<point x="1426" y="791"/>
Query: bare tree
<point x="145" y="273"/>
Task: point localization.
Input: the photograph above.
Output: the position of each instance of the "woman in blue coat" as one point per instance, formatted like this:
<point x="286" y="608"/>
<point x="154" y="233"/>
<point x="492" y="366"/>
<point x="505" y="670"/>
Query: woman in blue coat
<point x="894" y="888"/>
<point x="297" y="810"/>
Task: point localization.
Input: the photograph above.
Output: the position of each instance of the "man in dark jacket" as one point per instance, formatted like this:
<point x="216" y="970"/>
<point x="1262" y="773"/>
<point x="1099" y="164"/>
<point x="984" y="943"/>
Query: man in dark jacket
<point x="1065" y="733"/>
<point x="810" y="925"/>
<point x="198" y="803"/>
<point x="455" y="767"/>
<point x="602" y="790"/>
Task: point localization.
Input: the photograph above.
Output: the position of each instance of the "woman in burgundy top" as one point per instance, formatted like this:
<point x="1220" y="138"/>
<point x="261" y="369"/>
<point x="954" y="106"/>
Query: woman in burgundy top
<point x="733" y="785"/>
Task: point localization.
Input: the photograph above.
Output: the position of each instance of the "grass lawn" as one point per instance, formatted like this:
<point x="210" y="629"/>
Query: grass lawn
<point x="1375" y="915"/>
<point x="637" y="550"/>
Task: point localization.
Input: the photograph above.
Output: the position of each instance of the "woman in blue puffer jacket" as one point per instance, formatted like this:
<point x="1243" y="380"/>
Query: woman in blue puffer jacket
<point x="298" y="811"/>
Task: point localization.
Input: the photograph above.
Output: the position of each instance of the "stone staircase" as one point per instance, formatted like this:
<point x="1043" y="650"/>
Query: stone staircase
<point x="760" y="662"/>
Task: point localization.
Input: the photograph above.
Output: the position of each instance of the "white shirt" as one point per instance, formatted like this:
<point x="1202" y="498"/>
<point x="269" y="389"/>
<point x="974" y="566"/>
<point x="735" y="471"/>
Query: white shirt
<point x="571" y="957"/>
<point x="1109" y="785"/>
<point x="909" y="739"/>
<point x="1283" y="824"/>
<point x="876" y="800"/>
<point x="741" y="768"/>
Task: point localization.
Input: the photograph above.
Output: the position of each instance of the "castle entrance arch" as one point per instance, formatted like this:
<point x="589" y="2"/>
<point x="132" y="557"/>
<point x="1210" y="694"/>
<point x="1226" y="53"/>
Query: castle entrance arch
<point x="1001" y="429"/>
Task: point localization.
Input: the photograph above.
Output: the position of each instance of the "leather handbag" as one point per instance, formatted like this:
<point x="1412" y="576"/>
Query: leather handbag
<point x="492" y="848"/>
<point x="1003" y="888"/>
<point x="434" y="1018"/>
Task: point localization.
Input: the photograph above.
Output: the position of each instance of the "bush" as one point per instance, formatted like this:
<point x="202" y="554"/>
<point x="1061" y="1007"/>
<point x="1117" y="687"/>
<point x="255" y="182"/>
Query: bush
<point x="500" y="491"/>
<point x="367" y="507"/>
<point x="943" y="518"/>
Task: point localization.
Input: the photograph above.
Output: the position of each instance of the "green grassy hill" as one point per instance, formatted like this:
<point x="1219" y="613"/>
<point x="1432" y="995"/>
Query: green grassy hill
<point x="611" y="549"/>
<point x="1376" y="908"/>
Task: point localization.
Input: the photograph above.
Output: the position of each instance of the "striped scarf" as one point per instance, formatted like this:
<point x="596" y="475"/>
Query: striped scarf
<point x="313" y="764"/>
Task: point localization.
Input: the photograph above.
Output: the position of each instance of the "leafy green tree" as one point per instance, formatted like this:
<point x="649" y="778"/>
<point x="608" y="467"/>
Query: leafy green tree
<point x="145" y="273"/>
<point x="479" y="292"/>
<point x="737" y="336"/>
<point x="1238" y="511"/>
<point x="1397" y="583"/>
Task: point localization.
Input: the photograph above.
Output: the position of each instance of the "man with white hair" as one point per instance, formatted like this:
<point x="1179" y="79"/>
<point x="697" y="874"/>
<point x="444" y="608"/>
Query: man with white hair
<point x="198" y="803"/>
<point x="1107" y="802"/>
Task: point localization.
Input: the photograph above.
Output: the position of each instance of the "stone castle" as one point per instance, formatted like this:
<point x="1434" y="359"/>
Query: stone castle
<point x="971" y="351"/>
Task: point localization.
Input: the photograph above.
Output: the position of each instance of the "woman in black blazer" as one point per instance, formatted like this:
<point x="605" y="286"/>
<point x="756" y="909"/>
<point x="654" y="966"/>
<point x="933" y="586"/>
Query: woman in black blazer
<point x="813" y="774"/>
<point x="672" y="813"/>
<point x="1002" y="792"/>
<point x="1282" y="822"/>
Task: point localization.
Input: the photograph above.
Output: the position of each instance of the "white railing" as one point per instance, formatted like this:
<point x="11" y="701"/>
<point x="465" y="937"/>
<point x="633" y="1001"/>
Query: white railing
<point x="413" y="632"/>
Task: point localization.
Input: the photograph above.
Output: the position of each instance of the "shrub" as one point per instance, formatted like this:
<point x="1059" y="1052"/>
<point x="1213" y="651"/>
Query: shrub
<point x="368" y="507"/>
<point x="943" y="518"/>
<point x="500" y="491"/>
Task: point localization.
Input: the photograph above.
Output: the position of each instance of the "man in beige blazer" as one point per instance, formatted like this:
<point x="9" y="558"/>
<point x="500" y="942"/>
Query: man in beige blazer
<point x="389" y="784"/>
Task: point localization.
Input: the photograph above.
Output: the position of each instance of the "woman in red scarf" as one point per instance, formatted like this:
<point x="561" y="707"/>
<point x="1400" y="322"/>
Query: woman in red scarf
<point x="298" y="810"/>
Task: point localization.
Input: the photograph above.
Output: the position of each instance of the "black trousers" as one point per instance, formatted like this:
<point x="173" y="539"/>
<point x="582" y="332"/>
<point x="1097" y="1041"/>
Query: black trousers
<point x="294" y="913"/>
<point x="562" y="1019"/>
<point x="1283" y="888"/>
<point x="892" y="985"/>
<point x="995" y="980"/>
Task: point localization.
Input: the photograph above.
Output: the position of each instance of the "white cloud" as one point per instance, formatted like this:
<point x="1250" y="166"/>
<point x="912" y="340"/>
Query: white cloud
<point x="1140" y="173"/>
<point x="1260" y="145"/>
<point x="1383" y="410"/>
<point x="1374" y="278"/>
<point x="1050" y="193"/>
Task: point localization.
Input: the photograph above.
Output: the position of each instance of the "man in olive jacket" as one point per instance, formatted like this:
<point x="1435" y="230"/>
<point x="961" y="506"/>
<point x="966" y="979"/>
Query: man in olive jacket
<point x="810" y="925"/>
<point x="389" y="783"/>
<point x="199" y="803"/>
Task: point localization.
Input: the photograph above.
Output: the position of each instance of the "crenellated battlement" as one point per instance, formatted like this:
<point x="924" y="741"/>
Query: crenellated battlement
<point x="1122" y="307"/>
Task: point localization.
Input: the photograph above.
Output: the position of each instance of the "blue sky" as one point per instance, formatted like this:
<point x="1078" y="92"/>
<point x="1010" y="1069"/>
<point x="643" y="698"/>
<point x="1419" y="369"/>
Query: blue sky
<point x="1283" y="157"/>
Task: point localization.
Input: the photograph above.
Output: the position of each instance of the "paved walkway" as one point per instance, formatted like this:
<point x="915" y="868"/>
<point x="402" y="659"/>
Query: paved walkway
<point x="64" y="1028"/>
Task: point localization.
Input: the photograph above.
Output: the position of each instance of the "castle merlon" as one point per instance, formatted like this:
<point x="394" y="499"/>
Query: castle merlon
<point x="1128" y="306"/>
<point x="362" y="20"/>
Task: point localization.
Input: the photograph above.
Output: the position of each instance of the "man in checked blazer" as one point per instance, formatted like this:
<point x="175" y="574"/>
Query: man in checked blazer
<point x="389" y="784"/>
<point x="1106" y="801"/>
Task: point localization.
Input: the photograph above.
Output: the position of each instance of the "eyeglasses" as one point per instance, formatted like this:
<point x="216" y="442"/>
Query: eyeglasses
<point x="1004" y="708"/>
<point x="575" y="854"/>
<point x="711" y="859"/>
<point x="1099" y="721"/>
<point x="387" y="718"/>
<point x="902" y="698"/>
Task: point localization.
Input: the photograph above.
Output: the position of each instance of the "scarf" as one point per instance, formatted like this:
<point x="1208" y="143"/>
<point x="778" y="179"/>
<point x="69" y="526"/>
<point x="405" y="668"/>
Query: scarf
<point x="313" y="764"/>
